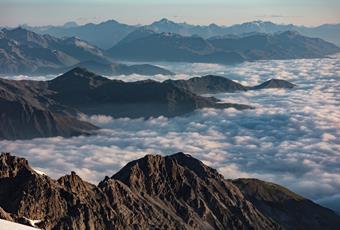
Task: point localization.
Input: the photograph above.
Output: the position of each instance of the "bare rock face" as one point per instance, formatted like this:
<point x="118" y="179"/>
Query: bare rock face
<point x="154" y="192"/>
<point x="195" y="192"/>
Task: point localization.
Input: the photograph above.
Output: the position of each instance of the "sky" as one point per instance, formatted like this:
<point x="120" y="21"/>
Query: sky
<point x="222" y="12"/>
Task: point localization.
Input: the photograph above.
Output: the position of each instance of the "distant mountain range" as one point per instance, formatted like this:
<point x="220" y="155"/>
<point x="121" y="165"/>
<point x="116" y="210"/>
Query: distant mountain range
<point x="103" y="35"/>
<point x="154" y="192"/>
<point x="31" y="109"/>
<point x="26" y="52"/>
<point x="112" y="31"/>
<point x="146" y="45"/>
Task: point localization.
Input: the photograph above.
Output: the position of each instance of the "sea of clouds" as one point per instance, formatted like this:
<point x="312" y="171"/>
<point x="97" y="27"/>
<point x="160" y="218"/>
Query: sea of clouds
<point x="291" y="138"/>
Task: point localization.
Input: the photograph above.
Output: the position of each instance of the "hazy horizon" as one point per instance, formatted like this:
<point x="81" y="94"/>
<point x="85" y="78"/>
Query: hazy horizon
<point x="221" y="12"/>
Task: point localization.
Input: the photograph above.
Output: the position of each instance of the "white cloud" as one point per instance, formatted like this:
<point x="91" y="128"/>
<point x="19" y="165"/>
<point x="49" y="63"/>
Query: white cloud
<point x="291" y="138"/>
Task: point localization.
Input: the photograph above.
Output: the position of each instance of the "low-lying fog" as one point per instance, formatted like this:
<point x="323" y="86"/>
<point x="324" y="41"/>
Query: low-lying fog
<point x="291" y="138"/>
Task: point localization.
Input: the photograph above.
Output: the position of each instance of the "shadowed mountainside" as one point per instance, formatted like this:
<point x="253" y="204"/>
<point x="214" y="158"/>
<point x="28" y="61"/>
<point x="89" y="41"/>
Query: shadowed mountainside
<point x="50" y="108"/>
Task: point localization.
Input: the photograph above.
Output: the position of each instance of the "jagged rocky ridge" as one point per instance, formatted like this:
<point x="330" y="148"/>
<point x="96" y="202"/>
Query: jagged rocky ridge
<point x="154" y="192"/>
<point x="31" y="109"/>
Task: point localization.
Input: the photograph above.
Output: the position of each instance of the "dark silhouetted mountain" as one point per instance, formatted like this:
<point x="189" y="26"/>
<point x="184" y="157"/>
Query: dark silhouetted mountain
<point x="212" y="84"/>
<point x="209" y="84"/>
<point x="274" y="83"/>
<point x="103" y="35"/>
<point x="93" y="94"/>
<point x="25" y="52"/>
<point x="49" y="108"/>
<point x="26" y="111"/>
<point x="154" y="192"/>
<point x="285" y="207"/>
<point x="31" y="109"/>
<point x="284" y="45"/>
<point x="146" y="45"/>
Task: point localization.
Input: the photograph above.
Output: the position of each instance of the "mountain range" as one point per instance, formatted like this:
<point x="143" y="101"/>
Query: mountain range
<point x="146" y="45"/>
<point x="31" y="109"/>
<point x="154" y="192"/>
<point x="112" y="31"/>
<point x="26" y="52"/>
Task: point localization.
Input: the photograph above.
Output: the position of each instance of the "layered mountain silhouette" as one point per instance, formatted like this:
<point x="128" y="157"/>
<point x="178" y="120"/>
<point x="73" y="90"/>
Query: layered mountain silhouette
<point x="281" y="45"/>
<point x="212" y="84"/>
<point x="111" y="69"/>
<point x="154" y="192"/>
<point x="93" y="94"/>
<point x="147" y="45"/>
<point x="114" y="31"/>
<point x="110" y="32"/>
<point x="25" y="52"/>
<point x="31" y="109"/>
<point x="328" y="32"/>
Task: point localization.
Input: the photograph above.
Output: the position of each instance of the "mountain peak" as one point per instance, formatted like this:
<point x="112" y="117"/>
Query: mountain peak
<point x="110" y="22"/>
<point x="70" y="24"/>
<point x="10" y="165"/>
<point x="275" y="83"/>
<point x="79" y="71"/>
<point x="164" y="21"/>
<point x="78" y="78"/>
<point x="168" y="168"/>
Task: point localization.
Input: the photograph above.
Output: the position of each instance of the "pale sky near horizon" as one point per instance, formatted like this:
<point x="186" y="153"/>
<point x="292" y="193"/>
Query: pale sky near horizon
<point x="222" y="12"/>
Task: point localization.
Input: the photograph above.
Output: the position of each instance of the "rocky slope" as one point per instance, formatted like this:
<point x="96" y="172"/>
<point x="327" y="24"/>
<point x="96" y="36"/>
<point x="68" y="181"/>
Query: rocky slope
<point x="26" y="111"/>
<point x="286" y="207"/>
<point x="154" y="192"/>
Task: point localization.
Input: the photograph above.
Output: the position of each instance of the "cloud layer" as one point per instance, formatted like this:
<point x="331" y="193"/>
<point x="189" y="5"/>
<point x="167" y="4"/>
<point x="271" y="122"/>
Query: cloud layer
<point x="291" y="138"/>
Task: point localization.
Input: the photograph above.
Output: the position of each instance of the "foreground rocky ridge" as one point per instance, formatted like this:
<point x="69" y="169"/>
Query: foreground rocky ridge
<point x="154" y="192"/>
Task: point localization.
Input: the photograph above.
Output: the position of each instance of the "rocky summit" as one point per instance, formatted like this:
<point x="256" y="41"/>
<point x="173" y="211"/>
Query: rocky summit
<point x="154" y="192"/>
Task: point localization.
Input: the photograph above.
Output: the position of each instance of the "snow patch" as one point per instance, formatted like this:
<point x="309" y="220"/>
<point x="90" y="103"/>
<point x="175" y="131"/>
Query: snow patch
<point x="8" y="225"/>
